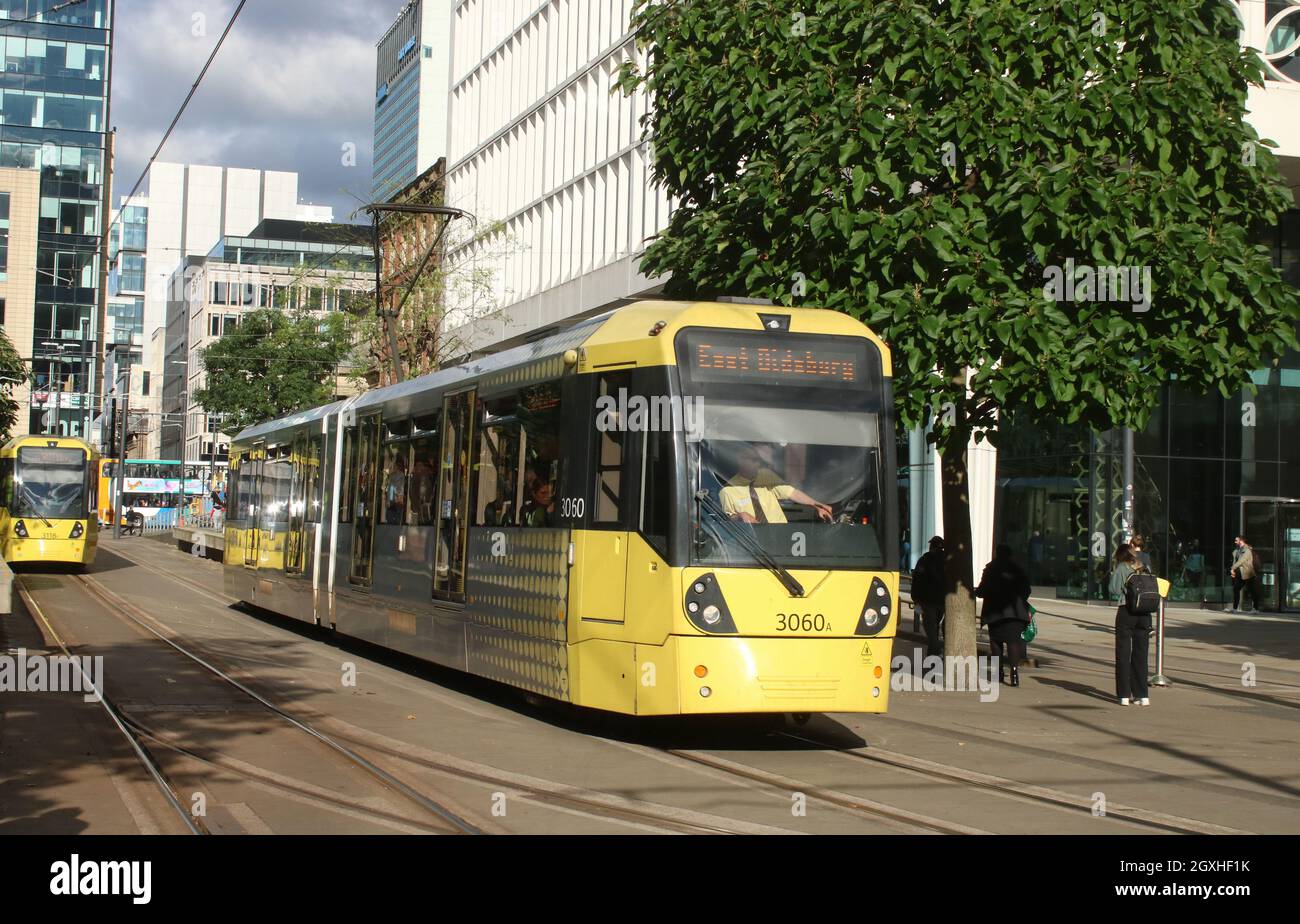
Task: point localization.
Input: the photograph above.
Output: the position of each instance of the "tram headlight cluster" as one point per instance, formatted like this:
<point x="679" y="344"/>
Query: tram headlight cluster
<point x="705" y="606"/>
<point x="876" y="609"/>
<point x="77" y="530"/>
<point x="20" y="529"/>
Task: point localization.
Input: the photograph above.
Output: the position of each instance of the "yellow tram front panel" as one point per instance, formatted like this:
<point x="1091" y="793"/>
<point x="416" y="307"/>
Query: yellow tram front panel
<point x="52" y="545"/>
<point x="785" y="654"/>
<point x="48" y="506"/>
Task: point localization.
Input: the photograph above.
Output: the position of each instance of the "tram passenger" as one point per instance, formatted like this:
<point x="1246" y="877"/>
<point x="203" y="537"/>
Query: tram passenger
<point x="395" y="490"/>
<point x="1004" y="587"/>
<point x="540" y="509"/>
<point x="755" y="492"/>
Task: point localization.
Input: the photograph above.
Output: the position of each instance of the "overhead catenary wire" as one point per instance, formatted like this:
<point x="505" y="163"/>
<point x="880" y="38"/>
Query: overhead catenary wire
<point x="179" y="112"/>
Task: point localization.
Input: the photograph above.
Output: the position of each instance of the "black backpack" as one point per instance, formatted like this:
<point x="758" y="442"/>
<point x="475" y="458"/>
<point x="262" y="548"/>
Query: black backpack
<point x="1141" y="593"/>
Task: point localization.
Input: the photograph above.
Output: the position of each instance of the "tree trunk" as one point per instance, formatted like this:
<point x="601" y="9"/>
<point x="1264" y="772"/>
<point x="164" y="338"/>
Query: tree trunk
<point x="960" y="623"/>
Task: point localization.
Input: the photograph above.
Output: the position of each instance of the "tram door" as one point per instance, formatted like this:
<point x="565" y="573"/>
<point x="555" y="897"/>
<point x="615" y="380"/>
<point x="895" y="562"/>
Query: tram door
<point x="365" y="471"/>
<point x="450" y="546"/>
<point x="296" y="539"/>
<point x="250" y="484"/>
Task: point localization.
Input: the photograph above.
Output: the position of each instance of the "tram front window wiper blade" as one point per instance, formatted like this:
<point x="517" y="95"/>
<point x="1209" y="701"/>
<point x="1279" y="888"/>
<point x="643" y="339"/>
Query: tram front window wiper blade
<point x="751" y="545"/>
<point x="36" y="504"/>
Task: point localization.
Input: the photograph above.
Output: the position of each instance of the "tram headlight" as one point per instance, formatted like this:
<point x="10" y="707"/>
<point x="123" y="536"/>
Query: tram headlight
<point x="705" y="606"/>
<point x="875" y="609"/>
<point x="77" y="530"/>
<point x="20" y="529"/>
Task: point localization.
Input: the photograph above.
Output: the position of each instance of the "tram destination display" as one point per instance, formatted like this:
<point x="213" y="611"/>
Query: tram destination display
<point x="741" y="357"/>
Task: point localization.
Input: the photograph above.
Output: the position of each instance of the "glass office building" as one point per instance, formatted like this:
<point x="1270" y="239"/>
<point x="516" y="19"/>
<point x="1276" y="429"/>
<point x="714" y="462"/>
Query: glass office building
<point x="1205" y="469"/>
<point x="53" y="108"/>
<point x="411" y="82"/>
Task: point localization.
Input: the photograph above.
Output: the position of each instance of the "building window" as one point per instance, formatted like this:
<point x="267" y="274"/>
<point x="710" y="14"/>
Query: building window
<point x="144" y="384"/>
<point x="4" y="235"/>
<point x="2" y="312"/>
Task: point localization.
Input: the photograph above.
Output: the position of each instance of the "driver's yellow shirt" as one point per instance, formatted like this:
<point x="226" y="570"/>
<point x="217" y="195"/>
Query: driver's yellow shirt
<point x="735" y="498"/>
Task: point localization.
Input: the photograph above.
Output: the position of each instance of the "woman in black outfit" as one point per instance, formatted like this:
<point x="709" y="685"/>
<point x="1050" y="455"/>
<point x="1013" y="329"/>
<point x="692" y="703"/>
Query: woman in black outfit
<point x="1132" y="634"/>
<point x="1004" y="587"/>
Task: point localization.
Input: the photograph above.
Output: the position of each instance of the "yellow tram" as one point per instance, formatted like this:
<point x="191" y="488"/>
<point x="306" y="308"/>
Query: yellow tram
<point x="670" y="508"/>
<point x="48" y="510"/>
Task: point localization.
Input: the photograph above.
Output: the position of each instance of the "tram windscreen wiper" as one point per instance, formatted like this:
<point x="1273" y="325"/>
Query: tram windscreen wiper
<point x="36" y="506"/>
<point x="751" y="545"/>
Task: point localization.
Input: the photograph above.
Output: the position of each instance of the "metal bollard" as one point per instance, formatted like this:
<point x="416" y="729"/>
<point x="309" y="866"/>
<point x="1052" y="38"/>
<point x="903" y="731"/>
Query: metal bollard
<point x="1160" y="680"/>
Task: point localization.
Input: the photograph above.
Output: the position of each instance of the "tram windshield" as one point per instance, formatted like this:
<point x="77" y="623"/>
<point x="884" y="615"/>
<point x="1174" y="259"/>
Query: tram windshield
<point x="50" y="483"/>
<point x="804" y="484"/>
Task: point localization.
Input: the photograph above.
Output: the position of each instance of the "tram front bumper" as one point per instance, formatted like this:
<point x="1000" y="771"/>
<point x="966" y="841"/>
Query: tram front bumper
<point x="732" y="674"/>
<point x="51" y="550"/>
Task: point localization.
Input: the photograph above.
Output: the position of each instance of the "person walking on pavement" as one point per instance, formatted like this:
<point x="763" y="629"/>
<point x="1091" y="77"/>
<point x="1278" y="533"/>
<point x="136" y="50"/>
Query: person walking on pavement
<point x="1132" y="632"/>
<point x="1245" y="574"/>
<point x="1004" y="587"/>
<point x="928" y="593"/>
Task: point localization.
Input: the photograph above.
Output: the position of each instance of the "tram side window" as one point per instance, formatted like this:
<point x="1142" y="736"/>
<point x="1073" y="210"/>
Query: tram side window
<point x="277" y="477"/>
<point x="539" y="415"/>
<point x="317" y="489"/>
<point x="233" y="511"/>
<point x="611" y="432"/>
<point x="345" y="477"/>
<point x="6" y="482"/>
<point x="423" y="479"/>
<point x="393" y="487"/>
<point x="656" y="502"/>
<point x="499" y="485"/>
<point x="247" y="491"/>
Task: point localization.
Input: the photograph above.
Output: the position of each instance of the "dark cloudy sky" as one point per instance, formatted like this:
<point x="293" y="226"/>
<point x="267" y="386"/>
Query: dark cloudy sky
<point x="293" y="83"/>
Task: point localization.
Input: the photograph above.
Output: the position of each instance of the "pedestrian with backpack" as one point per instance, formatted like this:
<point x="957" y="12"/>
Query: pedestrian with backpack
<point x="1139" y="600"/>
<point x="1245" y="574"/>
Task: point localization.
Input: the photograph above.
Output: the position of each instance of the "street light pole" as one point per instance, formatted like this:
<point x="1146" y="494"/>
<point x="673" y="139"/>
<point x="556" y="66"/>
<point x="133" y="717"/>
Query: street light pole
<point x="124" y="397"/>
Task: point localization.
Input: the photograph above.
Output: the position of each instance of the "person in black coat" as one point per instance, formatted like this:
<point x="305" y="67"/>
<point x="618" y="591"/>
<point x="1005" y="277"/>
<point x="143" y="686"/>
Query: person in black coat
<point x="1004" y="588"/>
<point x="928" y="593"/>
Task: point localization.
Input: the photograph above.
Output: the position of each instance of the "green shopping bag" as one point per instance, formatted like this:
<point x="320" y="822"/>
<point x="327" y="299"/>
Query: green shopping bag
<point x="1030" y="632"/>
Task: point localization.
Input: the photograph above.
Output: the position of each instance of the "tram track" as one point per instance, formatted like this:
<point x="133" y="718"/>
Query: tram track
<point x="148" y="741"/>
<point x="119" y="719"/>
<point x="1147" y="818"/>
<point x="589" y="802"/>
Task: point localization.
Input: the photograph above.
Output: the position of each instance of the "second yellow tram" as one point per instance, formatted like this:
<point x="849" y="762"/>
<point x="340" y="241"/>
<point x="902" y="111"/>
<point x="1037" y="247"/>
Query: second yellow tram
<point x="48" y="509"/>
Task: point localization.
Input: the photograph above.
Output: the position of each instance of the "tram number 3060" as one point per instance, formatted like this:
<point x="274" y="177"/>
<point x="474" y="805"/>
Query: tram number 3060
<point x="808" y="622"/>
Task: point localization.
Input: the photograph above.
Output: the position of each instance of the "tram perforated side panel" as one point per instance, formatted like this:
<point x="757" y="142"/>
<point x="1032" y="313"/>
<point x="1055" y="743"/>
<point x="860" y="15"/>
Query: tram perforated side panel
<point x="518" y="608"/>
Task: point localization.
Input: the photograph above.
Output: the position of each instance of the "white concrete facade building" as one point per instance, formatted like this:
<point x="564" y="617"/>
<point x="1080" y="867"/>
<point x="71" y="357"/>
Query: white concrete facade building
<point x="190" y="208"/>
<point x="542" y="142"/>
<point x="539" y="144"/>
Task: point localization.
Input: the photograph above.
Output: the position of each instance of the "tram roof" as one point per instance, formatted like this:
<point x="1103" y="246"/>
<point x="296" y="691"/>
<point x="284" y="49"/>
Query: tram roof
<point x="295" y="419"/>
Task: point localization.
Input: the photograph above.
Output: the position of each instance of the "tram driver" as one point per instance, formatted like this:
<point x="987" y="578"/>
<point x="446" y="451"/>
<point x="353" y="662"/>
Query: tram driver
<point x="755" y="493"/>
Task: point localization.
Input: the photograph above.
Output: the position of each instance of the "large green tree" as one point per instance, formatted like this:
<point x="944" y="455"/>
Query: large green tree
<point x="938" y="168"/>
<point x="273" y="363"/>
<point x="13" y="372"/>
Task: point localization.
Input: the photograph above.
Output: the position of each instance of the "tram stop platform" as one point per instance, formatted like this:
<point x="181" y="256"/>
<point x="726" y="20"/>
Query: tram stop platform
<point x="201" y="541"/>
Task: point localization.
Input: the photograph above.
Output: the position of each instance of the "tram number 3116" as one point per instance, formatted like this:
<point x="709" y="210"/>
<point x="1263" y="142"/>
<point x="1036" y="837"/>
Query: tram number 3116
<point x="808" y="622"/>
